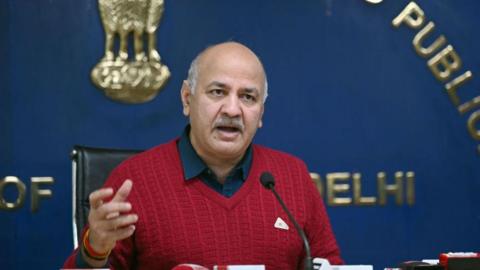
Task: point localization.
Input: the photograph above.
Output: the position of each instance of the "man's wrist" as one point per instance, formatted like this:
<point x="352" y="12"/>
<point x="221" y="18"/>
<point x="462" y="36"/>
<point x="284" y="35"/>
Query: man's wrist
<point x="90" y="252"/>
<point x="86" y="259"/>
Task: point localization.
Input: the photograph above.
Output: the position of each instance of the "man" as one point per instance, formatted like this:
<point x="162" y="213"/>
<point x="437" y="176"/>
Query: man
<point x="198" y="199"/>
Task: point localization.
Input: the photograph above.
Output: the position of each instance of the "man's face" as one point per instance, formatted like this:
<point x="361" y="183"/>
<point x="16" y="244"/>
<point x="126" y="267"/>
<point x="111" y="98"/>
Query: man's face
<point x="227" y="106"/>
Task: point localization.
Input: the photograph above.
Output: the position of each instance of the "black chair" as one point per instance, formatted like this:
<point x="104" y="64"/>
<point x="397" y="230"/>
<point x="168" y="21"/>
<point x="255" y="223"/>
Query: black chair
<point x="91" y="167"/>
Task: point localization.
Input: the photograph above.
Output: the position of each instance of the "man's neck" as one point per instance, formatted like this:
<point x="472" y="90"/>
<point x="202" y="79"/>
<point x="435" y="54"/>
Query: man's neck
<point x="220" y="167"/>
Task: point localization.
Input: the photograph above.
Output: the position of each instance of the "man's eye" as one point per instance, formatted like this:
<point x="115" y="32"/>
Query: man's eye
<point x="249" y="98"/>
<point x="217" y="92"/>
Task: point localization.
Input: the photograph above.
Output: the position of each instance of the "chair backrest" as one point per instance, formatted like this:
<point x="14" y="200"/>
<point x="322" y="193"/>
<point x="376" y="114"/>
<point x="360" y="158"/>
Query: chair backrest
<point x="90" y="168"/>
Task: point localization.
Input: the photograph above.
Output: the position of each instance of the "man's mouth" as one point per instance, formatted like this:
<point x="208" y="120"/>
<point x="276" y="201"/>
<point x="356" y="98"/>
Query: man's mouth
<point x="229" y="129"/>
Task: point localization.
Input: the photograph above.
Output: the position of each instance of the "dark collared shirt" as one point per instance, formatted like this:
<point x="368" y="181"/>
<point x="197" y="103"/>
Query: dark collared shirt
<point x="194" y="166"/>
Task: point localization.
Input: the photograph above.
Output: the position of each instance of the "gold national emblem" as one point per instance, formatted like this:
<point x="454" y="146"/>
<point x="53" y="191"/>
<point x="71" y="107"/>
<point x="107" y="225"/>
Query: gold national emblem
<point x="127" y="80"/>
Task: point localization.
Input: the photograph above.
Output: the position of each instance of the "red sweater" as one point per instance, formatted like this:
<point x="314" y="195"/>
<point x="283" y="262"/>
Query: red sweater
<point x="188" y="222"/>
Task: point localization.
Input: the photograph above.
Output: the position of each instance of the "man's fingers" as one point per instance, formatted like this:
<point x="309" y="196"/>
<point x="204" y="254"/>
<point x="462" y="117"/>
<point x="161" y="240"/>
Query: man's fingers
<point x="96" y="198"/>
<point x="113" y="209"/>
<point x="108" y="227"/>
<point x="112" y="215"/>
<point x="122" y="221"/>
<point x="123" y="191"/>
<point x="123" y="233"/>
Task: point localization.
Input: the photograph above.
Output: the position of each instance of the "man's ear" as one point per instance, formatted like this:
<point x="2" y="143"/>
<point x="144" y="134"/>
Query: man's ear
<point x="260" y="123"/>
<point x="186" y="95"/>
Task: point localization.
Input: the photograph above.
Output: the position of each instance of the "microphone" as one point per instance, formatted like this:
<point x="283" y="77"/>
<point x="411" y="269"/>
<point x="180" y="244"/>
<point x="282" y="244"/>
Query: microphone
<point x="268" y="182"/>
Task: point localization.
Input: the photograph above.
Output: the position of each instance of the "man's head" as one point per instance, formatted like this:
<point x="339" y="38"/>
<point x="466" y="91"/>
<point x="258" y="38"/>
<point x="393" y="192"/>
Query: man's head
<point x="224" y="98"/>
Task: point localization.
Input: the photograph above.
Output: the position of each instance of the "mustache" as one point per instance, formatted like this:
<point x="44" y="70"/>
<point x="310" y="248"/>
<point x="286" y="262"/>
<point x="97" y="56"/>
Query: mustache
<point x="234" y="122"/>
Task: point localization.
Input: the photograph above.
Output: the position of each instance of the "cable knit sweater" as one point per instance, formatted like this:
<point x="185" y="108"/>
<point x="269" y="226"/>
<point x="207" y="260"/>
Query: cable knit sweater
<point x="188" y="222"/>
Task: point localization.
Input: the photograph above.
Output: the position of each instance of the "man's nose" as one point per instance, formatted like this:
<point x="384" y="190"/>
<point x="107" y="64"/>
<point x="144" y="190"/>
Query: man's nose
<point x="231" y="107"/>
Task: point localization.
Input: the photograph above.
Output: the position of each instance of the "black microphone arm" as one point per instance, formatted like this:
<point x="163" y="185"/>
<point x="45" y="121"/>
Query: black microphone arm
<point x="268" y="182"/>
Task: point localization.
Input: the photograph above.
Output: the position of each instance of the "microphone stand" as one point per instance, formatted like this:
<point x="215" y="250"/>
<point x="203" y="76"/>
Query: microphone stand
<point x="308" y="258"/>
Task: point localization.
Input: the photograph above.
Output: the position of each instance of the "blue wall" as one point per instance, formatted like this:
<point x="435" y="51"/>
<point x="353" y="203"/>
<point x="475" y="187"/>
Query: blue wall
<point x="347" y="94"/>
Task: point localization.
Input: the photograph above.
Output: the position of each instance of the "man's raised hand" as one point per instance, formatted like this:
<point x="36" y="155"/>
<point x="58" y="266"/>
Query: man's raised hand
<point x="110" y="221"/>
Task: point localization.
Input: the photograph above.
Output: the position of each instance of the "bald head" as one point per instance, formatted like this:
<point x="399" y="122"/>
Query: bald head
<point x="227" y="50"/>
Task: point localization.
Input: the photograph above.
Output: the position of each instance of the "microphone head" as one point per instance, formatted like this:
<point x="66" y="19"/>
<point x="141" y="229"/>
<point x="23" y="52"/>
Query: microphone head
<point x="267" y="180"/>
<point x="189" y="266"/>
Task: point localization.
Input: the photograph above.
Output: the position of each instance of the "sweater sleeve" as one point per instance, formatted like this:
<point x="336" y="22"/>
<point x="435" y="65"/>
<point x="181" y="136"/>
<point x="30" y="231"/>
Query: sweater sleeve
<point x="71" y="261"/>
<point x="317" y="227"/>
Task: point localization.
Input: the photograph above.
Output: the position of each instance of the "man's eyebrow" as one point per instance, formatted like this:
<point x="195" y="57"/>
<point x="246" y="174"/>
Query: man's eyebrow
<point x="216" y="84"/>
<point x="252" y="90"/>
<point x="249" y="90"/>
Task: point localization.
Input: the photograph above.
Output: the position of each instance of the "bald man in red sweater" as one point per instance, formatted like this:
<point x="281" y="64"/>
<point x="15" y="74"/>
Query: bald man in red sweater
<point x="198" y="199"/>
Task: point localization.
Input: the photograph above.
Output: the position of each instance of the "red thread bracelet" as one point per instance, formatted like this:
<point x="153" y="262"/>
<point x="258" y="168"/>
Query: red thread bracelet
<point x="90" y="252"/>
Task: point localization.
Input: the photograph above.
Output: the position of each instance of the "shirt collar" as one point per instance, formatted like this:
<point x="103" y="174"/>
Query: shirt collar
<point x="193" y="165"/>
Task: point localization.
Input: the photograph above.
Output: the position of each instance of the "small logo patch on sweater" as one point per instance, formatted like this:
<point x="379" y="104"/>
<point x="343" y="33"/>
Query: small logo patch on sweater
<point x="280" y="224"/>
